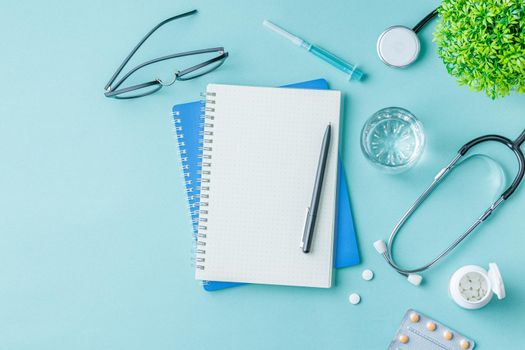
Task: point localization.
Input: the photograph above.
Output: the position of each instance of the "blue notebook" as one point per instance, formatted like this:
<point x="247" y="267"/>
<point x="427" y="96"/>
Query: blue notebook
<point x="189" y="132"/>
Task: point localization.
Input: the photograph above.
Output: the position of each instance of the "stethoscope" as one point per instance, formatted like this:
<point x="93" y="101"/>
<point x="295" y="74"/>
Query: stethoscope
<point x="398" y="46"/>
<point x="413" y="274"/>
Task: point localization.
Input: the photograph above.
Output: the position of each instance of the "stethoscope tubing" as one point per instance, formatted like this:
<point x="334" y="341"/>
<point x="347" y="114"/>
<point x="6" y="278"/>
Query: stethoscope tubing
<point x="386" y="249"/>
<point x="513" y="145"/>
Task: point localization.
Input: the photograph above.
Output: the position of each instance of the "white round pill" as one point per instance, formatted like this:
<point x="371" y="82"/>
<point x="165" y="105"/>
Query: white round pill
<point x="367" y="274"/>
<point x="354" y="298"/>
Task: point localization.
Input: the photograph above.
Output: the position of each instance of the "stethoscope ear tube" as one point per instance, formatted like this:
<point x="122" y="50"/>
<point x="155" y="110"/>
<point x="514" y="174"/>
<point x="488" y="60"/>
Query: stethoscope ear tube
<point x="514" y="146"/>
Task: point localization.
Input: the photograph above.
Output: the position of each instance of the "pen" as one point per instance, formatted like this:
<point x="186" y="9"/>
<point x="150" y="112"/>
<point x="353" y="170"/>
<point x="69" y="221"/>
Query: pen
<point x="311" y="215"/>
<point x="328" y="57"/>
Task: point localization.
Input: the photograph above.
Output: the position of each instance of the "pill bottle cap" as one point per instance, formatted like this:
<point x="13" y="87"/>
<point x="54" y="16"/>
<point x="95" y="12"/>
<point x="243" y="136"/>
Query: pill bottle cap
<point x="496" y="281"/>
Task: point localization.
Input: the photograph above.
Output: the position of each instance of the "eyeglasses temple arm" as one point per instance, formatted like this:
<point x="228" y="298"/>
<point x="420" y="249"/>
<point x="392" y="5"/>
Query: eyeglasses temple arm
<point x="126" y="60"/>
<point x="164" y="58"/>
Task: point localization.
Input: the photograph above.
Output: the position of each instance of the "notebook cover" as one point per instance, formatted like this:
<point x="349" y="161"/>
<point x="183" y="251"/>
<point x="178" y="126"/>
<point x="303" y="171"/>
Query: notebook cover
<point x="188" y="129"/>
<point x="261" y="146"/>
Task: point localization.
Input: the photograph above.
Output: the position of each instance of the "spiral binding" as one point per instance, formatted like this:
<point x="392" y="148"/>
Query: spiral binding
<point x="205" y="164"/>
<point x="192" y="191"/>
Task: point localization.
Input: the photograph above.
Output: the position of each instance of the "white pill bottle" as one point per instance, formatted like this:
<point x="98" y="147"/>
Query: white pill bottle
<point x="472" y="287"/>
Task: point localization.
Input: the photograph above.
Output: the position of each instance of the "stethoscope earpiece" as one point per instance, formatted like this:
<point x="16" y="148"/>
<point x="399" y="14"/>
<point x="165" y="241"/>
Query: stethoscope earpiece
<point x="413" y="278"/>
<point x="398" y="46"/>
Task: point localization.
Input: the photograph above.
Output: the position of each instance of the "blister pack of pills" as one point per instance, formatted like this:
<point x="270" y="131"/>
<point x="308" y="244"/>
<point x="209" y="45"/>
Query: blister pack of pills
<point x="419" y="332"/>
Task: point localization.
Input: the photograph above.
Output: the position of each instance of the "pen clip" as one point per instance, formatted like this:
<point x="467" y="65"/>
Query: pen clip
<point x="303" y="235"/>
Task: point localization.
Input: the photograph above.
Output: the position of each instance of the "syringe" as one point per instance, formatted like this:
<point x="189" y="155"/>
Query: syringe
<point x="342" y="65"/>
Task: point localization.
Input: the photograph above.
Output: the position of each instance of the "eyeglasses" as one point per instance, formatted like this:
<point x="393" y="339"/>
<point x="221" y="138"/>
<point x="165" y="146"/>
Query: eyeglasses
<point x="114" y="89"/>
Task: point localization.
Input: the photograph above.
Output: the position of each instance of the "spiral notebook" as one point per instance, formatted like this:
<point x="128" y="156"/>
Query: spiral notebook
<point x="260" y="152"/>
<point x="189" y="127"/>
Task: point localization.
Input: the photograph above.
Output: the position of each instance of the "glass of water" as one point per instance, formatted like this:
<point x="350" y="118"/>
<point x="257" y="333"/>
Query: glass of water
<point x="393" y="139"/>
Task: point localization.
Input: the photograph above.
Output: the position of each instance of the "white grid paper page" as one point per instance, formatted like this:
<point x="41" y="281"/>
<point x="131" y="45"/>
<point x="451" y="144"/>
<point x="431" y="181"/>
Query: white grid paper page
<point x="266" y="146"/>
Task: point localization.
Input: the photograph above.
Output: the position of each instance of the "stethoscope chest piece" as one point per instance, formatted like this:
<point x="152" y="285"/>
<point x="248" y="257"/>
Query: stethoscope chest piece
<point x="398" y="46"/>
<point x="472" y="287"/>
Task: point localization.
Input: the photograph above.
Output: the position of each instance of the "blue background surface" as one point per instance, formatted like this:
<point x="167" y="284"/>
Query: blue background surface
<point x="94" y="234"/>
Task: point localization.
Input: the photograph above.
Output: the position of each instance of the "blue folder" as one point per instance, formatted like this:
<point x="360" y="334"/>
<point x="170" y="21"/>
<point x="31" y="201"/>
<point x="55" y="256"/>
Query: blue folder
<point x="189" y="128"/>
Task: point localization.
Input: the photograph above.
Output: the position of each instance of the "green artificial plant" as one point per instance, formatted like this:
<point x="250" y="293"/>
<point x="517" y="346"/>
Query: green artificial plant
<point x="482" y="44"/>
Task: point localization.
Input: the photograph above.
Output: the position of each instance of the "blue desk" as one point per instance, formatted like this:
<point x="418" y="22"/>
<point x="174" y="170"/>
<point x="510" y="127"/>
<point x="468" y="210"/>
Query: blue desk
<point x="94" y="236"/>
